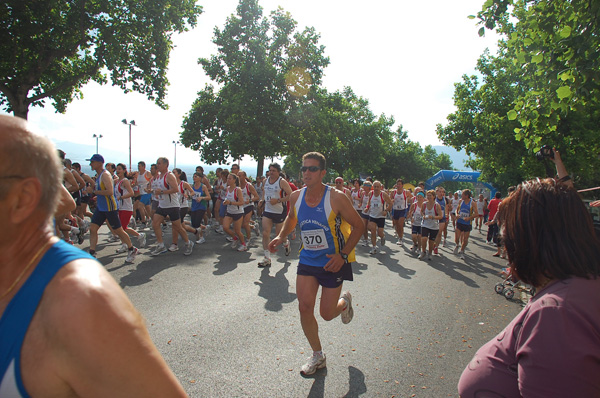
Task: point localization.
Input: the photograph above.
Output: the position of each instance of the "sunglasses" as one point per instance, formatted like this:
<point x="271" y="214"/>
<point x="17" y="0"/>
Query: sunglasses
<point x="312" y="169"/>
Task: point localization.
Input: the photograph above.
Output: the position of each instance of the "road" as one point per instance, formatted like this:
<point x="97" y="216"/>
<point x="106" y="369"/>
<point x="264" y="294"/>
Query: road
<point x="230" y="329"/>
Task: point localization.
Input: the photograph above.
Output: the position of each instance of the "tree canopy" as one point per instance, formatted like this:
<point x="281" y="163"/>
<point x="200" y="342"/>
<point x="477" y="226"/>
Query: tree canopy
<point x="51" y="48"/>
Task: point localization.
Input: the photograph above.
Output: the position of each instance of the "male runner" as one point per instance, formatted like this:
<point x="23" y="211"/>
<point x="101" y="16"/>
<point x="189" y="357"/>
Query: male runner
<point x="325" y="217"/>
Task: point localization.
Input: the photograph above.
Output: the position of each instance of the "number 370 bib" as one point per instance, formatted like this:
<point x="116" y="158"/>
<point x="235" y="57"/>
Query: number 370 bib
<point x="314" y="239"/>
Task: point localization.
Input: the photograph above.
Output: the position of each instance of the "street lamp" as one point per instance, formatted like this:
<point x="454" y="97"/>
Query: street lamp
<point x="175" y="157"/>
<point x="131" y="123"/>
<point x="97" y="137"/>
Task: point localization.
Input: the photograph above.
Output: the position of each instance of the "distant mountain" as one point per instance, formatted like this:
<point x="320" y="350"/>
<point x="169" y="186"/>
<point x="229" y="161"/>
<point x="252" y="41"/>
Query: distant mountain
<point x="458" y="157"/>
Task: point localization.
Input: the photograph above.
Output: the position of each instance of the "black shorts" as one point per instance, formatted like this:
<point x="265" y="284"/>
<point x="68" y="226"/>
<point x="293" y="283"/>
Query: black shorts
<point x="86" y="199"/>
<point x="416" y="230"/>
<point x="398" y="214"/>
<point x="111" y="217"/>
<point x="234" y="217"/>
<point x="248" y="209"/>
<point x="379" y="221"/>
<point x="171" y="212"/>
<point x="365" y="216"/>
<point x="277" y="218"/>
<point x="464" y="227"/>
<point x="182" y="212"/>
<point x="429" y="233"/>
<point x="77" y="197"/>
<point x="326" y="278"/>
<point x="154" y="205"/>
<point x="197" y="216"/>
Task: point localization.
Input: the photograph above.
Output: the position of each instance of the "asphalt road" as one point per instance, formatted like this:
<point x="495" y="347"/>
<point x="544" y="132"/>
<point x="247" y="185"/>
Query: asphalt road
<point x="230" y="329"/>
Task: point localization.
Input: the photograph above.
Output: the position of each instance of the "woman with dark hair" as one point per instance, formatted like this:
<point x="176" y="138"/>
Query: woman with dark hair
<point x="466" y="212"/>
<point x="234" y="200"/>
<point x="552" y="348"/>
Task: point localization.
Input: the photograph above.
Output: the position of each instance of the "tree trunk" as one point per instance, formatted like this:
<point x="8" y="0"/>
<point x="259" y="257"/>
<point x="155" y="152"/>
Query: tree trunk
<point x="260" y="167"/>
<point x="20" y="108"/>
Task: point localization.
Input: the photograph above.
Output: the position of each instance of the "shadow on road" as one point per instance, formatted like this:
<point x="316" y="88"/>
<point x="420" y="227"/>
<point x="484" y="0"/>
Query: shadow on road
<point x="275" y="289"/>
<point x="356" y="382"/>
<point x="144" y="272"/>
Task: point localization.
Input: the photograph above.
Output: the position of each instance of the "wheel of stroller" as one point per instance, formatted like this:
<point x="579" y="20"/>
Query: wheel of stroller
<point x="499" y="287"/>
<point x="509" y="293"/>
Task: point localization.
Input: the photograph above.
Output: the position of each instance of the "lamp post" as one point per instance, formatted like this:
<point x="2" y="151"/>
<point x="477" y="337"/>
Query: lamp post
<point x="131" y="123"/>
<point x="175" y="157"/>
<point x="97" y="137"/>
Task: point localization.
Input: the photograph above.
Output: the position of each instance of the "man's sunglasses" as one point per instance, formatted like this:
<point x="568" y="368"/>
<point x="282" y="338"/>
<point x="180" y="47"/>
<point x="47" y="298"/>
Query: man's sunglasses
<point x="312" y="169"/>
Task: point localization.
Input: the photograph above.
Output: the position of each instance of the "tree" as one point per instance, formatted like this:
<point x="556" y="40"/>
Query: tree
<point x="264" y="67"/>
<point x="51" y="48"/>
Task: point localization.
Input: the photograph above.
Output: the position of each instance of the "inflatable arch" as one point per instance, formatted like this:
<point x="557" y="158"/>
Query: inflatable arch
<point x="462" y="176"/>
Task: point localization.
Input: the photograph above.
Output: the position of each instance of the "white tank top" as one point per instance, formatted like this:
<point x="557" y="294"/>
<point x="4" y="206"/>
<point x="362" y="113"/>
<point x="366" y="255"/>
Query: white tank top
<point x="365" y="200"/>
<point x="247" y="195"/>
<point x="166" y="200"/>
<point x="430" y="223"/>
<point x="124" y="204"/>
<point x="142" y="183"/>
<point x="273" y="191"/>
<point x="377" y="205"/>
<point x="417" y="217"/>
<point x="230" y="196"/>
<point x="455" y="203"/>
<point x="399" y="200"/>
<point x="155" y="184"/>
<point x="357" y="199"/>
<point x="183" y="203"/>
<point x="222" y="189"/>
<point x="480" y="206"/>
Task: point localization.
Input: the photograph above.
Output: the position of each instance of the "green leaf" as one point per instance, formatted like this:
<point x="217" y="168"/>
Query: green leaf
<point x="481" y="32"/>
<point x="527" y="42"/>
<point x="512" y="114"/>
<point x="537" y="58"/>
<point x="471" y="17"/>
<point x="565" y="32"/>
<point x="564" y="92"/>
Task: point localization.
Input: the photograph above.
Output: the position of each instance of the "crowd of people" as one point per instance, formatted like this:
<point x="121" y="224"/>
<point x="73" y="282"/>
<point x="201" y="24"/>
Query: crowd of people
<point x="60" y="309"/>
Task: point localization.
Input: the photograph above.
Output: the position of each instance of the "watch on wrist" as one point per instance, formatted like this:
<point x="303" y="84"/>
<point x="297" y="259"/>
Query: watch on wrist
<point x="344" y="256"/>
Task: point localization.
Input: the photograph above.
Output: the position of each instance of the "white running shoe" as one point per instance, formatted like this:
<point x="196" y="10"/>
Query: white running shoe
<point x="256" y="230"/>
<point x="429" y="257"/>
<point x="122" y="248"/>
<point x="288" y="248"/>
<point x="422" y="255"/>
<point x="173" y="247"/>
<point x="348" y="313"/>
<point x="131" y="255"/>
<point x="229" y="239"/>
<point x="220" y="230"/>
<point x="462" y="255"/>
<point x="201" y="241"/>
<point x="159" y="249"/>
<point x="382" y="241"/>
<point x="444" y="245"/>
<point x="317" y="361"/>
<point x="188" y="248"/>
<point x="242" y="248"/>
<point x="142" y="239"/>
<point x="234" y="244"/>
<point x="456" y="249"/>
<point x="266" y="262"/>
<point x="113" y="239"/>
<point x="373" y="250"/>
<point x="365" y="243"/>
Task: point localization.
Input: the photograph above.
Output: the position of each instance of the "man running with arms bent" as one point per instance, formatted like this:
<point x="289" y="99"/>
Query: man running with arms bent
<point x="325" y="216"/>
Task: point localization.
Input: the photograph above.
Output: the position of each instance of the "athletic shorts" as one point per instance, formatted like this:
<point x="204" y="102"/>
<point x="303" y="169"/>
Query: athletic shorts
<point x="171" y="212"/>
<point x="379" y="221"/>
<point x="277" y="218"/>
<point x="86" y="199"/>
<point x="365" y="216"/>
<point x="464" y="227"/>
<point x="197" y="216"/>
<point x="248" y="209"/>
<point x="154" y="205"/>
<point x="77" y="197"/>
<point x="429" y="233"/>
<point x="235" y="217"/>
<point x="182" y="212"/>
<point x="416" y="230"/>
<point x="326" y="278"/>
<point x="111" y="217"/>
<point x="124" y="217"/>
<point x="397" y="214"/>
<point x="222" y="210"/>
<point x="146" y="198"/>
<point x="443" y="220"/>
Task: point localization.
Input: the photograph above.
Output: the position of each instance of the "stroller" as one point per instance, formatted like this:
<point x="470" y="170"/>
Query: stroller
<point x="508" y="286"/>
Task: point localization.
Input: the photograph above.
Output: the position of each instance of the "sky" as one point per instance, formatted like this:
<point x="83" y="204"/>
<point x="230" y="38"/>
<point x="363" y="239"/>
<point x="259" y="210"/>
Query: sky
<point x="403" y="56"/>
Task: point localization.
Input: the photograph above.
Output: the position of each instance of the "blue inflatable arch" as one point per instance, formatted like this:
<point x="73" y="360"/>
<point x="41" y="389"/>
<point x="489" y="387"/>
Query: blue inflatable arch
<point x="462" y="176"/>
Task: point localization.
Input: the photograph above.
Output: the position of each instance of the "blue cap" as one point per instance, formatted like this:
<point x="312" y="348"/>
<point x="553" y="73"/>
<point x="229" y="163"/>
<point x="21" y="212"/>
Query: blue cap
<point x="96" y="158"/>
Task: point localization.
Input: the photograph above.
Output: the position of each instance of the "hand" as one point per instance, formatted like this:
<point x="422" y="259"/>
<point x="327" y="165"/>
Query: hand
<point x="335" y="263"/>
<point x="274" y="201"/>
<point x="274" y="243"/>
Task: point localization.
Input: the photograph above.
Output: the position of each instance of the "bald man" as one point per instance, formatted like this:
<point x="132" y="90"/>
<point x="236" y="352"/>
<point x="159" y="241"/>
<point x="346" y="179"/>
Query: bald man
<point x="66" y="327"/>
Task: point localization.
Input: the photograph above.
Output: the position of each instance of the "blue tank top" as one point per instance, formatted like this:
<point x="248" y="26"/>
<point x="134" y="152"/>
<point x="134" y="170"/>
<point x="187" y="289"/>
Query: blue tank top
<point x="442" y="204"/>
<point x="322" y="231"/>
<point x="19" y="312"/>
<point x="105" y="202"/>
<point x="198" y="193"/>
<point x="464" y="211"/>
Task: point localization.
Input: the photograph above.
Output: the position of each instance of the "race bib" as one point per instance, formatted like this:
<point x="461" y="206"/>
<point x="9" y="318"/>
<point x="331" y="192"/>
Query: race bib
<point x="314" y="239"/>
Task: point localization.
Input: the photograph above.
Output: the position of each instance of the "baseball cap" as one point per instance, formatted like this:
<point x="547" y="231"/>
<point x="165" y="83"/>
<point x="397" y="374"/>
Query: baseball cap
<point x="96" y="158"/>
<point x="339" y="179"/>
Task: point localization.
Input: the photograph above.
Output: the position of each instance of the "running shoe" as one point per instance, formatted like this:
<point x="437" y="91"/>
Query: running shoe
<point x="220" y="230"/>
<point x="229" y="239"/>
<point x="122" y="249"/>
<point x="288" y="248"/>
<point x="462" y="255"/>
<point x="131" y="255"/>
<point x="142" y="240"/>
<point x="242" y="248"/>
<point x="429" y="257"/>
<point x="348" y="313"/>
<point x="382" y="241"/>
<point x="373" y="250"/>
<point x="435" y="250"/>
<point x="188" y="248"/>
<point x="131" y="223"/>
<point x="266" y="262"/>
<point x="201" y="240"/>
<point x="234" y="244"/>
<point x="173" y="247"/>
<point x="444" y="245"/>
<point x="256" y="230"/>
<point x="422" y="255"/>
<point x="456" y="249"/>
<point x="113" y="239"/>
<point x="412" y="249"/>
<point x="159" y="249"/>
<point x="365" y="243"/>
<point x="80" y="236"/>
<point x="317" y="361"/>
